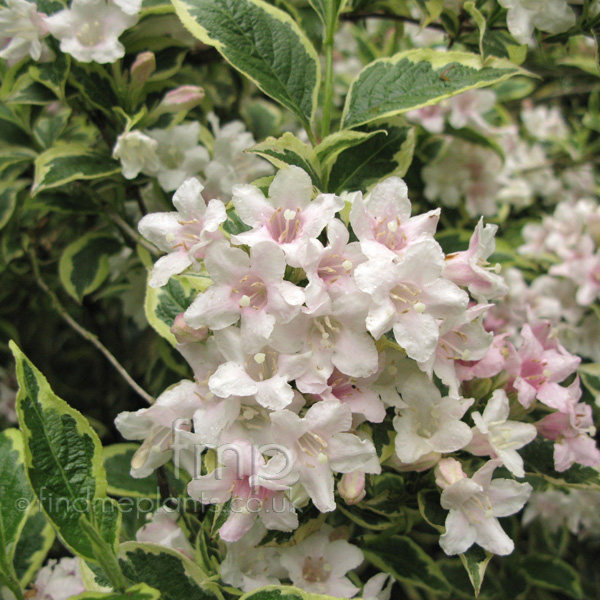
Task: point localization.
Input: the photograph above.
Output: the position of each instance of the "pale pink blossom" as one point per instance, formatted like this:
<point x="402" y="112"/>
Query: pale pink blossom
<point x="429" y="423"/>
<point x="171" y="414"/>
<point x="163" y="529"/>
<point x="319" y="565"/>
<point x="496" y="436"/>
<point x="321" y="445"/>
<point x="383" y="224"/>
<point x="411" y="297"/>
<point x="58" y="580"/>
<point x="471" y="269"/>
<point x="252" y="485"/>
<point x="249" y="289"/>
<point x="288" y="216"/>
<point x="185" y="234"/>
<point x="264" y="375"/>
<point x="475" y="504"/>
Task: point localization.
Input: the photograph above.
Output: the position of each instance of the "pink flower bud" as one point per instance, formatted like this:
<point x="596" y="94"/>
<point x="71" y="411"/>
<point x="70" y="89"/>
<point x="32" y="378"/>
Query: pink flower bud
<point x="182" y="98"/>
<point x="351" y="487"/>
<point x="185" y="334"/>
<point x="143" y="66"/>
<point x="447" y="472"/>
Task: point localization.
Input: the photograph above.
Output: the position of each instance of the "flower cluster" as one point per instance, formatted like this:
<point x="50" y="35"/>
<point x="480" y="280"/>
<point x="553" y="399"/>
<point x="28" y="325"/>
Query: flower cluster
<point x="303" y="340"/>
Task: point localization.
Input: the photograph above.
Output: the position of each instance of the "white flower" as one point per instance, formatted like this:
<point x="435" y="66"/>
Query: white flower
<point x="495" y="435"/>
<point x="544" y="122"/>
<point x="179" y="154"/>
<point x="320" y="446"/>
<point x="475" y="505"/>
<point x="21" y="31"/>
<point x="185" y="234"/>
<point x="89" y="30"/>
<point x="411" y="297"/>
<point x="58" y="580"/>
<point x="163" y="529"/>
<point x="319" y="566"/>
<point x="137" y="153"/>
<point x="230" y="165"/>
<point x="464" y="171"/>
<point x="553" y="16"/>
<point x="429" y="423"/>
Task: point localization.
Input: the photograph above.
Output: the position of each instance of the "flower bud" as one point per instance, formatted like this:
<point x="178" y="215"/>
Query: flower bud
<point x="351" y="487"/>
<point x="447" y="472"/>
<point x="181" y="98"/>
<point x="143" y="66"/>
<point x="184" y="334"/>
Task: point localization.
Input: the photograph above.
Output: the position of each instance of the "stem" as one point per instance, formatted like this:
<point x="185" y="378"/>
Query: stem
<point x="133" y="234"/>
<point x="310" y="133"/>
<point x="84" y="333"/>
<point x="328" y="45"/>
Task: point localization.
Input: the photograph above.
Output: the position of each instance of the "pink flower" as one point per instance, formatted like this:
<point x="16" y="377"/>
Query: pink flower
<point x="572" y="431"/>
<point x="539" y="365"/>
<point x="470" y="267"/>
<point x="185" y="234"/>
<point x="320" y="446"/>
<point x="247" y="289"/>
<point x="252" y="485"/>
<point x="288" y="216"/>
<point x="383" y="224"/>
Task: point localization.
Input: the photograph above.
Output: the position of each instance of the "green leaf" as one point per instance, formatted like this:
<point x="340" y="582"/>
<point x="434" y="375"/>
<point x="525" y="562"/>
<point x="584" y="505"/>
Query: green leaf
<point x="382" y="154"/>
<point x="320" y="7"/>
<point x="333" y="145"/>
<point x="14" y="155"/>
<point x="70" y="162"/>
<point x="169" y="571"/>
<point x="590" y="377"/>
<point x="551" y="573"/>
<point x="289" y="150"/>
<point x="479" y="21"/>
<point x="8" y="198"/>
<point x="84" y="266"/>
<point x="117" y="462"/>
<point x="94" y="85"/>
<point x="406" y="561"/>
<point x="141" y="591"/>
<point x="15" y="494"/>
<point x="416" y="78"/>
<point x="53" y="74"/>
<point x="48" y="128"/>
<point x="162" y="305"/>
<point x="262" y="42"/>
<point x="366" y="518"/>
<point x="475" y="560"/>
<point x="27" y="90"/>
<point x="431" y="510"/>
<point x="282" y="592"/>
<point x="35" y="541"/>
<point x="62" y="456"/>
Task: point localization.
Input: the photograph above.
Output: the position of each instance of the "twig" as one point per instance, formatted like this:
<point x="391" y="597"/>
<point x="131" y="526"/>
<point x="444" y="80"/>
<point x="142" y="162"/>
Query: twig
<point x="84" y="333"/>
<point x="133" y="234"/>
